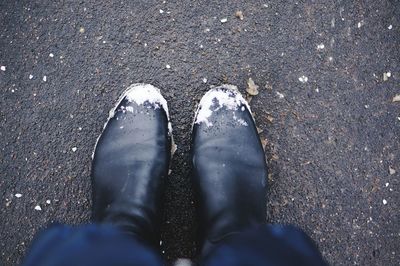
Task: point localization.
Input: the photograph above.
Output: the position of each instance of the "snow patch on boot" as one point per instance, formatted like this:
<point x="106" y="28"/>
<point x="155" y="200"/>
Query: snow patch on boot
<point x="141" y="93"/>
<point x="227" y="96"/>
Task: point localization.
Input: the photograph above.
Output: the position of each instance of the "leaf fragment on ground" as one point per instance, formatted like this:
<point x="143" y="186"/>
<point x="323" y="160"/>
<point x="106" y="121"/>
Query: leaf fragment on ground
<point x="252" y="88"/>
<point x="239" y="15"/>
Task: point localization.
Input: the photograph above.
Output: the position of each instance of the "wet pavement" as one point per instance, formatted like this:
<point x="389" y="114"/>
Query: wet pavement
<point x="328" y="76"/>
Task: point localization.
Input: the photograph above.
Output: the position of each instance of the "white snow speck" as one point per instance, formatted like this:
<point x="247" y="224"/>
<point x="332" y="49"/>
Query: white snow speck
<point x="44" y="78"/>
<point x="38" y="208"/>
<point x="204" y="80"/>
<point x="18" y="195"/>
<point x="30" y="76"/>
<point x="303" y="79"/>
<point x="390" y="27"/>
<point x="280" y="95"/>
<point x="48" y="201"/>
<point x="384" y="202"/>
<point x="168" y="66"/>
<point x="223" y="20"/>
<point x="51" y="55"/>
<point x="3" y="68"/>
<point x="161" y="11"/>
<point x="74" y="149"/>
<point x="320" y="46"/>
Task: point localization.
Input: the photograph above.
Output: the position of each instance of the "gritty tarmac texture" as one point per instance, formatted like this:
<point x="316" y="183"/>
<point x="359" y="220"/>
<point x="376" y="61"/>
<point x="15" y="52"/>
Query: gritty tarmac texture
<point x="329" y="123"/>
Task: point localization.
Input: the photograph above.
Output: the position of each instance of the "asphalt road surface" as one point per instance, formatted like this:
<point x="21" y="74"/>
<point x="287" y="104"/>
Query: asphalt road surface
<point x="328" y="74"/>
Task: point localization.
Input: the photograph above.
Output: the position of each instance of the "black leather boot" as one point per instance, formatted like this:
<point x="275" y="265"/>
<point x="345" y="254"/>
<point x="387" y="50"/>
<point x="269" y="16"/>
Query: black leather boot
<point x="131" y="161"/>
<point x="230" y="172"/>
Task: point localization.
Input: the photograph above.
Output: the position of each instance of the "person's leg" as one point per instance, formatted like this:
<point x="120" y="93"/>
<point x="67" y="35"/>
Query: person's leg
<point x="89" y="245"/>
<point x="129" y="167"/>
<point x="230" y="180"/>
<point x="267" y="245"/>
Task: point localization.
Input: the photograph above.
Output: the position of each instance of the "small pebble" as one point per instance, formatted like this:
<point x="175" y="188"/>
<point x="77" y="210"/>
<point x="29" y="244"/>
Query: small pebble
<point x="30" y="76"/>
<point x="51" y="55"/>
<point x="204" y="80"/>
<point x="303" y="79"/>
<point x="280" y="95"/>
<point x="320" y="46"/>
<point x="74" y="149"/>
<point x="18" y="195"/>
<point x="48" y="201"/>
<point x="38" y="208"/>
<point x="3" y="68"/>
<point x="168" y="66"/>
<point x="390" y="27"/>
<point x="391" y="171"/>
<point x="384" y="202"/>
<point x="161" y="11"/>
<point x="82" y="30"/>
<point x="224" y="20"/>
<point x="44" y="78"/>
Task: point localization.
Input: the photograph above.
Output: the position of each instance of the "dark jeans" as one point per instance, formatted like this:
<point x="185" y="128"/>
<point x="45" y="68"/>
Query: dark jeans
<point x="100" y="245"/>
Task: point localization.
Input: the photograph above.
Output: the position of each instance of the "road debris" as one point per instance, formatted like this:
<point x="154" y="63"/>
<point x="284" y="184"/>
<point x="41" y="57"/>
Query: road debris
<point x="30" y="76"/>
<point x="390" y="27"/>
<point x="167" y="66"/>
<point x="303" y="79"/>
<point x="38" y="208"/>
<point x="44" y="78"/>
<point x="384" y="202"/>
<point x="3" y="68"/>
<point x="320" y="46"/>
<point x="223" y="20"/>
<point x="18" y="195"/>
<point x="74" y="149"/>
<point x="252" y="88"/>
<point x="239" y="15"/>
<point x="386" y="75"/>
<point x="81" y="30"/>
<point x="280" y="95"/>
<point x="391" y="171"/>
<point x="396" y="98"/>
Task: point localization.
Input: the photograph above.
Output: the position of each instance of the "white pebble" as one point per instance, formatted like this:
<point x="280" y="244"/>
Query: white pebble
<point x="51" y="55"/>
<point x="389" y="74"/>
<point x="30" y="76"/>
<point x="48" y="201"/>
<point x="387" y="184"/>
<point x="74" y="149"/>
<point x="303" y="79"/>
<point x="38" y="208"/>
<point x="320" y="46"/>
<point x="161" y="11"/>
<point x="224" y="20"/>
<point x="204" y="80"/>
<point x="390" y="27"/>
<point x="44" y="78"/>
<point x="359" y="25"/>
<point x="18" y="195"/>
<point x="384" y="202"/>
<point x="280" y="95"/>
<point x="168" y="66"/>
<point x="3" y="68"/>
